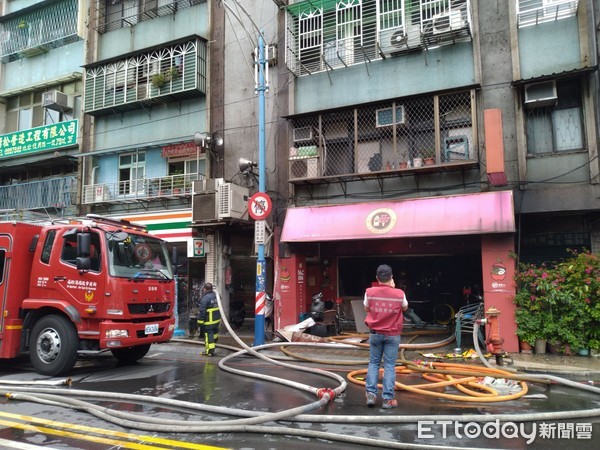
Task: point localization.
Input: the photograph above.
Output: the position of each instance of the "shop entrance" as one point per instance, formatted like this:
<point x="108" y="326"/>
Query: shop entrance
<point x="436" y="285"/>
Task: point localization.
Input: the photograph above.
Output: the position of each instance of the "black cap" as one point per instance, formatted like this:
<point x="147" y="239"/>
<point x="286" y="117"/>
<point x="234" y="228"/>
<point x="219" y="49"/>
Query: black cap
<point x="384" y="273"/>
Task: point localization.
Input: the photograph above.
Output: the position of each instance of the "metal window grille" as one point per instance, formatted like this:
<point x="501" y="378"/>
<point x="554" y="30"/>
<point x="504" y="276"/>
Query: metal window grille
<point x="533" y="12"/>
<point x="178" y="70"/>
<point x="39" y="30"/>
<point x="329" y="34"/>
<point x="115" y="14"/>
<point x="405" y="134"/>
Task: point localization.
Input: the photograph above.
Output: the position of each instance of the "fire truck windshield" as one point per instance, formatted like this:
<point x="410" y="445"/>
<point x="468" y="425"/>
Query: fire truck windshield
<point x="138" y="257"/>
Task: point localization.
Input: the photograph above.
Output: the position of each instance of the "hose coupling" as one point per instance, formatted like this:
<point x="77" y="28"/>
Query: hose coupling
<point x="326" y="391"/>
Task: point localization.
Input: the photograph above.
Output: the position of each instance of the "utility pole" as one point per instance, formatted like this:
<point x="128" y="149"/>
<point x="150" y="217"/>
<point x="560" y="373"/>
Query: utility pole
<point x="261" y="86"/>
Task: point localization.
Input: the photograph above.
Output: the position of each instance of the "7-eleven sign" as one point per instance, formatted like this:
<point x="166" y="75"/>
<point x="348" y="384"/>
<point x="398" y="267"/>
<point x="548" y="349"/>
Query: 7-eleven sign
<point x="198" y="247"/>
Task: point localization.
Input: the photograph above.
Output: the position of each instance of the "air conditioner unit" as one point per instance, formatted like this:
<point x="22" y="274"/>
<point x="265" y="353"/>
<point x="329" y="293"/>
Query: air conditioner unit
<point x="384" y="116"/>
<point x="396" y="41"/>
<point x="304" y="168"/>
<point x="302" y="134"/>
<point x="207" y="185"/>
<point x="57" y="101"/>
<point x="204" y="207"/>
<point x="540" y="94"/>
<point x="232" y="201"/>
<point x="443" y="23"/>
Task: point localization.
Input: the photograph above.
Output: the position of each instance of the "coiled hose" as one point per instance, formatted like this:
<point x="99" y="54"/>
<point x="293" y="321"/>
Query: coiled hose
<point x="58" y="397"/>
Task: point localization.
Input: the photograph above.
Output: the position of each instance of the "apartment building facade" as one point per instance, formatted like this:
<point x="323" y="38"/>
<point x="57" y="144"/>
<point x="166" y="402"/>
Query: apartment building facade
<point x="42" y="50"/>
<point x="449" y="139"/>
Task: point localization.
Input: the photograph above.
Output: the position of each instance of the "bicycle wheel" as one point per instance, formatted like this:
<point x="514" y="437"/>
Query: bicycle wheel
<point x="443" y="314"/>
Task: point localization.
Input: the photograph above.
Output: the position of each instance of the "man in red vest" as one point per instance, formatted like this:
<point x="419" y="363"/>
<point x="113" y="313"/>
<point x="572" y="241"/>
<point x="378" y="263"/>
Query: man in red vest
<point x="384" y="305"/>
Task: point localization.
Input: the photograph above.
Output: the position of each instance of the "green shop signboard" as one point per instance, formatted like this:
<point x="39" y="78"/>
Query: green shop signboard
<point x="48" y="137"/>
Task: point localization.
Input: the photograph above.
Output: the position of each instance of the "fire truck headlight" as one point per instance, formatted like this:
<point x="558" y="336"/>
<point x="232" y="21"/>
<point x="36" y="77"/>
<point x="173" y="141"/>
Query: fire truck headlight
<point x="112" y="334"/>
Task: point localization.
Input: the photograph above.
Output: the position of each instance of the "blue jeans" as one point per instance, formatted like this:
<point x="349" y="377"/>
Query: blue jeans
<point x="386" y="347"/>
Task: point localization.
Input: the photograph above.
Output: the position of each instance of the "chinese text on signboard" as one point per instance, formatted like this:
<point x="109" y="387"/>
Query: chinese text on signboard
<point x="47" y="137"/>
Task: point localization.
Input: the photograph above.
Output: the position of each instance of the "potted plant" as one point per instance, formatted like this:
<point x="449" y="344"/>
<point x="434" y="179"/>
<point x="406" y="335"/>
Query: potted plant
<point x="564" y="297"/>
<point x="178" y="181"/>
<point x="159" y="80"/>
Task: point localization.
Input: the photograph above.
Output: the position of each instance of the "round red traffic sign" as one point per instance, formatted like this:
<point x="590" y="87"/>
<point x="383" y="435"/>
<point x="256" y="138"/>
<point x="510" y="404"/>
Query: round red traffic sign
<point x="260" y="206"/>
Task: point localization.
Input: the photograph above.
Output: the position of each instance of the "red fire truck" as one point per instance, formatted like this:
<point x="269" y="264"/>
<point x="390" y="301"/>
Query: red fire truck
<point x="83" y="286"/>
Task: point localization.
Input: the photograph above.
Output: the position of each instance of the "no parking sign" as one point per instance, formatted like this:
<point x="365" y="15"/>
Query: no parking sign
<point x="260" y="206"/>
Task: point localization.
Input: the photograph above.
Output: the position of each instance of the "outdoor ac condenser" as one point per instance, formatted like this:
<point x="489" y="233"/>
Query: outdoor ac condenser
<point x="233" y="202"/>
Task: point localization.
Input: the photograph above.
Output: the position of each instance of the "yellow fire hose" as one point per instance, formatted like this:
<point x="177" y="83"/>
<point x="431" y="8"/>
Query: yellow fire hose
<point x="474" y="392"/>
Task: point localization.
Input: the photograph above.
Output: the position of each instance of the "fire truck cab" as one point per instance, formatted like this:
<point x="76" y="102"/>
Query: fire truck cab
<point x="83" y="287"/>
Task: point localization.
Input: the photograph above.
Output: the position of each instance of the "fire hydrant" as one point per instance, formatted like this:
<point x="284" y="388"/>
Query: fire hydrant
<point x="495" y="340"/>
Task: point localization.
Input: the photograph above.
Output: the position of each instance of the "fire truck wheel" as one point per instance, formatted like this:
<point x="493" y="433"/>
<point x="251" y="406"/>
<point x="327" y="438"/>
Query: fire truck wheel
<point x="131" y="354"/>
<point x="54" y="344"/>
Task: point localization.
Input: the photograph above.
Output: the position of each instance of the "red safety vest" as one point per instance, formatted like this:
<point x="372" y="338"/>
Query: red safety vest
<point x="385" y="309"/>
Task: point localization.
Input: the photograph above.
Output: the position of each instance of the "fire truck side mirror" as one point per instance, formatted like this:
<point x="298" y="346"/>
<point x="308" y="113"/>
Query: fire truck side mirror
<point x="84" y="244"/>
<point x="174" y="256"/>
<point x="84" y="247"/>
<point x="84" y="263"/>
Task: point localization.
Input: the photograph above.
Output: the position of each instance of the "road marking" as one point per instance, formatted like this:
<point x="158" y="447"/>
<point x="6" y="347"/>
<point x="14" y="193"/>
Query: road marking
<point x="5" y="443"/>
<point x="98" y="431"/>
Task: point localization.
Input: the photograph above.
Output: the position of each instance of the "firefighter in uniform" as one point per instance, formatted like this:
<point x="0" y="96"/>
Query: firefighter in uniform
<point x="209" y="318"/>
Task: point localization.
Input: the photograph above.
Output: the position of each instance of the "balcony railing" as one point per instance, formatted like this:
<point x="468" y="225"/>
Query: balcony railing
<point x="172" y="73"/>
<point x="533" y="12"/>
<point x="113" y="15"/>
<point x="169" y="187"/>
<point x="39" y="30"/>
<point x="44" y="194"/>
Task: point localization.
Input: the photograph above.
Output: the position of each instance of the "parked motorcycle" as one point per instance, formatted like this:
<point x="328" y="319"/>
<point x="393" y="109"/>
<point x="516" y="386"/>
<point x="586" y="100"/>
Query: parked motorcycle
<point x="317" y="307"/>
<point x="237" y="314"/>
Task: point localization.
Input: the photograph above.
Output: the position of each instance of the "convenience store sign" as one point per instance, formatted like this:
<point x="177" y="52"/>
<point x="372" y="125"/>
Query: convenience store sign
<point x="47" y="137"/>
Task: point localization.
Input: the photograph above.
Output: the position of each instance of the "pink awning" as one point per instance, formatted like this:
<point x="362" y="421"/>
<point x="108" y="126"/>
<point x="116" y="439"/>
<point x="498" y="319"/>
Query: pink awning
<point x="481" y="213"/>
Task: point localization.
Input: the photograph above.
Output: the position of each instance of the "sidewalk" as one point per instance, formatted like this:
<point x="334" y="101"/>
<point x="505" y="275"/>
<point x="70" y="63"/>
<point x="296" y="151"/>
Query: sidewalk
<point x="581" y="367"/>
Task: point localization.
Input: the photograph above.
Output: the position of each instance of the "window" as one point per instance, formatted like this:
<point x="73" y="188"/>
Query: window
<point x="533" y="12"/>
<point x="311" y="38"/>
<point x="385" y="137"/>
<point x="557" y="127"/>
<point x="114" y="14"/>
<point x="47" y="250"/>
<point x="2" y="262"/>
<point x="348" y="29"/>
<point x="132" y="171"/>
<point x="335" y="34"/>
<point x="25" y="111"/>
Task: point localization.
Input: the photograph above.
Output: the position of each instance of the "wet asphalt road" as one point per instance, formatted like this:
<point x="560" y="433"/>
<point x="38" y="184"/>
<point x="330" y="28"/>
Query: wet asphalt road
<point x="177" y="371"/>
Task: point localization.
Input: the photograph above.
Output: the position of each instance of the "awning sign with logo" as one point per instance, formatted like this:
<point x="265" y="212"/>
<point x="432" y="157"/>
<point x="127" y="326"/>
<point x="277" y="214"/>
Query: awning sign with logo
<point x="481" y="213"/>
